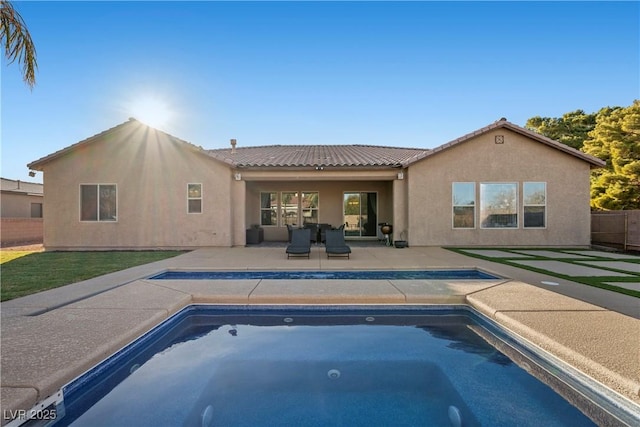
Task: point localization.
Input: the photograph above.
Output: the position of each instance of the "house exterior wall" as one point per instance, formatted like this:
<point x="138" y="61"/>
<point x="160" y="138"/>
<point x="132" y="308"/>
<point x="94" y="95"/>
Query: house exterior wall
<point x="151" y="172"/>
<point x="238" y="212"/>
<point x="18" y="223"/>
<point x="17" y="205"/>
<point x="481" y="160"/>
<point x="400" y="208"/>
<point x="330" y="200"/>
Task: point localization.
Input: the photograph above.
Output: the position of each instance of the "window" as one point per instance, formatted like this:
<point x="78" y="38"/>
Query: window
<point x="464" y="204"/>
<point x="360" y="210"/>
<point x="36" y="210"/>
<point x="289" y="208"/>
<point x="194" y="198"/>
<point x="98" y="202"/>
<point x="268" y="208"/>
<point x="309" y="207"/>
<point x="499" y="205"/>
<point x="299" y="207"/>
<point x="534" y="200"/>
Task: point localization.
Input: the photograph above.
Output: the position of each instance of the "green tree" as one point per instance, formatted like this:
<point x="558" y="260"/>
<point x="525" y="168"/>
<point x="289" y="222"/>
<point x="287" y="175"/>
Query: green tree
<point x="616" y="140"/>
<point x="17" y="42"/>
<point x="571" y="129"/>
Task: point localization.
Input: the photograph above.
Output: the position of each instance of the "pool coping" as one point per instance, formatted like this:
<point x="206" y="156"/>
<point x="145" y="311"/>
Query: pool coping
<point x="40" y="352"/>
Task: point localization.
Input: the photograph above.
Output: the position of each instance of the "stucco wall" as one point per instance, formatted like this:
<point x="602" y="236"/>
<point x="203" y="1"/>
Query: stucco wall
<point x="400" y="210"/>
<point x="481" y="160"/>
<point x="151" y="173"/>
<point x="17" y="205"/>
<point x="15" y="231"/>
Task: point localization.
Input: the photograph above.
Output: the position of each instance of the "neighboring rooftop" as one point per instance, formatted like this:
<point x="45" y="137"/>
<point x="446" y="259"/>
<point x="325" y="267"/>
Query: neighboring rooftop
<point x="17" y="186"/>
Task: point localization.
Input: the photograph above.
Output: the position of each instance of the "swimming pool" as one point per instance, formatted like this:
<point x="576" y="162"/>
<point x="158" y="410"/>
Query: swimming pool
<point x="308" y="366"/>
<point x="462" y="274"/>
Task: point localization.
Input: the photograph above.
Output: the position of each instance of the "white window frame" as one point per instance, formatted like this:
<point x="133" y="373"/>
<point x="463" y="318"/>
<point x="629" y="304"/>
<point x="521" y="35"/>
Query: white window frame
<point x="302" y="210"/>
<point x="98" y="219"/>
<point x="298" y="207"/>
<point x="516" y="209"/>
<point x="277" y="207"/>
<point x="525" y="205"/>
<point x="282" y="210"/>
<point x="454" y="205"/>
<point x="189" y="198"/>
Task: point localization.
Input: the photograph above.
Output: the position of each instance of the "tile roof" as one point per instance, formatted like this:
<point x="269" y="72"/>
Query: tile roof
<point x="291" y="156"/>
<point x="17" y="186"/>
<point x="317" y="155"/>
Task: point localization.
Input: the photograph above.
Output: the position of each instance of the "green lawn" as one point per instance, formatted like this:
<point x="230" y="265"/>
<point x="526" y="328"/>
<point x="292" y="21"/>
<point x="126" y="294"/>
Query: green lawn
<point x="23" y="273"/>
<point x="604" y="282"/>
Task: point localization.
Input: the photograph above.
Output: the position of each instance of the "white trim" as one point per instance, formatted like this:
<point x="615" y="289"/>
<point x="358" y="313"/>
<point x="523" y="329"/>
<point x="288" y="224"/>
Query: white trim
<point x="281" y="208"/>
<point x="97" y="220"/>
<point x="201" y="198"/>
<point x="312" y="209"/>
<point x="517" y="207"/>
<point x="524" y="227"/>
<point x="474" y="206"/>
<point x="299" y="217"/>
<point x="260" y="208"/>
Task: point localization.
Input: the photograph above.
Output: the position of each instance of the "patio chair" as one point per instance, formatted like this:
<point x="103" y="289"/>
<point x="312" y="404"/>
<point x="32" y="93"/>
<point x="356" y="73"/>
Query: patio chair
<point x="313" y="231"/>
<point x="323" y="231"/>
<point x="300" y="243"/>
<point x="289" y="231"/>
<point x="336" y="245"/>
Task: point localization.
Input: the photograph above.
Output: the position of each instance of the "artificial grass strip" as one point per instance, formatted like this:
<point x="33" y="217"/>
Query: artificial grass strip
<point x="598" y="282"/>
<point x="40" y="271"/>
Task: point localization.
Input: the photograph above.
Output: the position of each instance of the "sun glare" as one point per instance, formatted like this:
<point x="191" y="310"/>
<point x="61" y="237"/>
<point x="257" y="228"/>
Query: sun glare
<point x="152" y="111"/>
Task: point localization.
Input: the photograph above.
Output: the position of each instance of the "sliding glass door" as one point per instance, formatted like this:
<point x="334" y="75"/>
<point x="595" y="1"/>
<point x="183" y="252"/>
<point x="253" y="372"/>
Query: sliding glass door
<point x="360" y="214"/>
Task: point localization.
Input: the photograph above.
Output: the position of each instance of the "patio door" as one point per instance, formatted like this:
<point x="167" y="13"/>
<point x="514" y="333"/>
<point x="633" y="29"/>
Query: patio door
<point x="360" y="213"/>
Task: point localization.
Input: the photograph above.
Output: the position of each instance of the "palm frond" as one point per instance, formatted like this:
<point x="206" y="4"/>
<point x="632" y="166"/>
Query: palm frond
<point x="17" y="42"/>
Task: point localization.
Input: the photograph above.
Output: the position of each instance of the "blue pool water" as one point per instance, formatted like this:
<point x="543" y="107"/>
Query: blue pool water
<point x="469" y="274"/>
<point x="313" y="366"/>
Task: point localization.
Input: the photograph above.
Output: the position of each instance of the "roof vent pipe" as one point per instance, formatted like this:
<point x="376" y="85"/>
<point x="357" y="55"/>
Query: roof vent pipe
<point x="233" y="146"/>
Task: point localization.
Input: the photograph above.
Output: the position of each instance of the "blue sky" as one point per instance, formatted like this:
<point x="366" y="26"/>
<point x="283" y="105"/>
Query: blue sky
<point x="411" y="74"/>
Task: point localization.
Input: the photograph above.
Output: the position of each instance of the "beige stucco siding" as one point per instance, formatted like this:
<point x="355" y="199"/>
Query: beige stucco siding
<point x="517" y="160"/>
<point x="17" y="205"/>
<point x="151" y="172"/>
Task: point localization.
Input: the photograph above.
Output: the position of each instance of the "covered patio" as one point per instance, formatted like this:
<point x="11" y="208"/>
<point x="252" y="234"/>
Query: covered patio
<point x="357" y="202"/>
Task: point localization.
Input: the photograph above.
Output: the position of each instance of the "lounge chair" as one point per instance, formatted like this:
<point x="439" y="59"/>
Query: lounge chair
<point x="336" y="245"/>
<point x="300" y="243"/>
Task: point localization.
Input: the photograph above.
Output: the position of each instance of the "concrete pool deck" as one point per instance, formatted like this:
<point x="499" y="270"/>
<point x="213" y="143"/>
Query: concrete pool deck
<point x="51" y="337"/>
